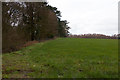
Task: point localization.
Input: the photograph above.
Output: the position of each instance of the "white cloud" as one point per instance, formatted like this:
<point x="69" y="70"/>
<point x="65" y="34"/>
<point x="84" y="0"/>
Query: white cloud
<point x="89" y="16"/>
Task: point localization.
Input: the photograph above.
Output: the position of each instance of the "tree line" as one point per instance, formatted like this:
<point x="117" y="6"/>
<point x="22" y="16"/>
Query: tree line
<point x="97" y="36"/>
<point x="29" y="21"/>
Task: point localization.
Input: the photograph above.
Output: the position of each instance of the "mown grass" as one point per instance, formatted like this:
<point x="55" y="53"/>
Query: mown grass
<point x="64" y="58"/>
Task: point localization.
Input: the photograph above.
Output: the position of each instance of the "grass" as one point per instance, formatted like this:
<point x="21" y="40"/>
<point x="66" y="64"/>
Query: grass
<point x="64" y="58"/>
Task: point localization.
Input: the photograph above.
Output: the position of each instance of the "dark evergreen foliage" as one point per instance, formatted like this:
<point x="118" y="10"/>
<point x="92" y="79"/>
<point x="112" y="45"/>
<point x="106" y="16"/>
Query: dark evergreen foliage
<point x="28" y="21"/>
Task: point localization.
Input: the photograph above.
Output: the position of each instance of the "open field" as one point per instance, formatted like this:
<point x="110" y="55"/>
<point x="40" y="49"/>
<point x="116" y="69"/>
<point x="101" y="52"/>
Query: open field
<point x="64" y="58"/>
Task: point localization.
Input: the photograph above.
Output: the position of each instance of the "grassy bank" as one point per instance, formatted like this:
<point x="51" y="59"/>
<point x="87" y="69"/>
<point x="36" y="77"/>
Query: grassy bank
<point x="64" y="58"/>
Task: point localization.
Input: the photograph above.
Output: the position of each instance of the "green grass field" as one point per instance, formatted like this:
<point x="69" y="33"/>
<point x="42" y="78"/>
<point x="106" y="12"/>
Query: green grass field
<point x="64" y="58"/>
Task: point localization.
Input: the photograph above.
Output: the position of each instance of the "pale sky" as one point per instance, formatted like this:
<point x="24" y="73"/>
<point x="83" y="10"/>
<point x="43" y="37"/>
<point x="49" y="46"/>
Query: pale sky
<point x="89" y="16"/>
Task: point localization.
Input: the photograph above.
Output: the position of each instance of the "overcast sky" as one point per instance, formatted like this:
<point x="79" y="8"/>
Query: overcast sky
<point x="89" y="16"/>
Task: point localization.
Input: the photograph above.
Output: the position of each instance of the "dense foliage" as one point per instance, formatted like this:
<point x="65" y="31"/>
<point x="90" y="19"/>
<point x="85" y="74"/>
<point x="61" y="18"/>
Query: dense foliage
<point x="28" y="21"/>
